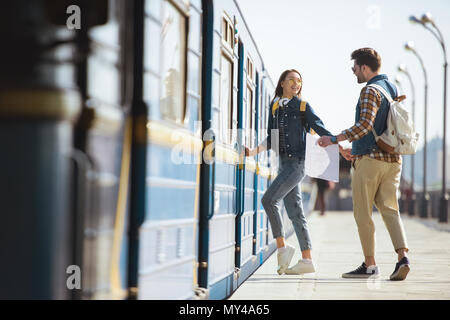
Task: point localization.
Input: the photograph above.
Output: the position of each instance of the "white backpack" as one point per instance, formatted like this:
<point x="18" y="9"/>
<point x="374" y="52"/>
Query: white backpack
<point x="400" y="137"/>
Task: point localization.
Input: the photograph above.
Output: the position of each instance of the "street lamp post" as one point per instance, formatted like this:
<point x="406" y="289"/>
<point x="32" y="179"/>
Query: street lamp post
<point x="426" y="197"/>
<point x="402" y="69"/>
<point x="424" y="21"/>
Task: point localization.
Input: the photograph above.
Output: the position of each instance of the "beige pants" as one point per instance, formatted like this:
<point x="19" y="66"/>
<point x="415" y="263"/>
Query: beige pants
<point x="377" y="182"/>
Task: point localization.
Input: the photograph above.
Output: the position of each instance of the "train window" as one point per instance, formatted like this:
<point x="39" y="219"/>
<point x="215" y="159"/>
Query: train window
<point x="249" y="119"/>
<point x="224" y="29"/>
<point x="194" y="73"/>
<point x="152" y="48"/>
<point x="234" y="114"/>
<point x="265" y="110"/>
<point x="103" y="77"/>
<point x="227" y="33"/>
<point x="151" y="94"/>
<point x="193" y="112"/>
<point x="250" y="70"/>
<point x="261" y="114"/>
<point x="195" y="31"/>
<point x="103" y="62"/>
<point x="265" y="117"/>
<point x="194" y="115"/>
<point x="173" y="63"/>
<point x="226" y="81"/>
<point x="226" y="87"/>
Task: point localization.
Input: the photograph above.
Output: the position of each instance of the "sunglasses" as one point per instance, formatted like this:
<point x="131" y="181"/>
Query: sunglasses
<point x="292" y="81"/>
<point x="354" y="69"/>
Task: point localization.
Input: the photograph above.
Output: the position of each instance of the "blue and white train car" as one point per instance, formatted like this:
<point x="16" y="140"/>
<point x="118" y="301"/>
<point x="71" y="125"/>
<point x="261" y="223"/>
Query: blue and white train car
<point x="134" y="126"/>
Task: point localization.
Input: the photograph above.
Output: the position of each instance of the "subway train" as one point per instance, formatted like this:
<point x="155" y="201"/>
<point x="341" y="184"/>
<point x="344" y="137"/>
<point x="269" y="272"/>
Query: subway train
<point x="121" y="129"/>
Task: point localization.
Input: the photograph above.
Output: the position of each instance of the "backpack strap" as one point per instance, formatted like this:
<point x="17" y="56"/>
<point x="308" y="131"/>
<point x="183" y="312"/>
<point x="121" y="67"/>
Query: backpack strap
<point x="302" y="111"/>
<point x="302" y="105"/>
<point x="275" y="105"/>
<point x="386" y="95"/>
<point x="381" y="89"/>
<point x="302" y="115"/>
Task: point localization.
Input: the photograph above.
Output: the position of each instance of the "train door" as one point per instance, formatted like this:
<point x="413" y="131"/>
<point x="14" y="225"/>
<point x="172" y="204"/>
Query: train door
<point x="221" y="262"/>
<point x="258" y="129"/>
<point x="247" y="167"/>
<point x="167" y="250"/>
<point x="104" y="137"/>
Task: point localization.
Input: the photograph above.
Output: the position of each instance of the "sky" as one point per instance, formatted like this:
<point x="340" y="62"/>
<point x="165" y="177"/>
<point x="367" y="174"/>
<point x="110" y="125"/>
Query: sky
<point x="317" y="38"/>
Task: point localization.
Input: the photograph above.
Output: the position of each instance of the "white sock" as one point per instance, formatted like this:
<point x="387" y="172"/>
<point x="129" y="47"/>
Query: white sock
<point x="372" y="267"/>
<point x="307" y="260"/>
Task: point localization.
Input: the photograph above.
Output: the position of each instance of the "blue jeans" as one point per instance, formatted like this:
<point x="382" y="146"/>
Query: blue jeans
<point x="286" y="187"/>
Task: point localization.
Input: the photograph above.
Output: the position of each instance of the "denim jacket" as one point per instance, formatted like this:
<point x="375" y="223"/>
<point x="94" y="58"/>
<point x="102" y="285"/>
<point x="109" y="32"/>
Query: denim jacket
<point x="367" y="143"/>
<point x="295" y="132"/>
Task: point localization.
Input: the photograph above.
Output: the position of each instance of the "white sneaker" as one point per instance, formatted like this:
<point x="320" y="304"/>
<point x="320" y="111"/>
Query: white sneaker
<point x="284" y="259"/>
<point x="301" y="267"/>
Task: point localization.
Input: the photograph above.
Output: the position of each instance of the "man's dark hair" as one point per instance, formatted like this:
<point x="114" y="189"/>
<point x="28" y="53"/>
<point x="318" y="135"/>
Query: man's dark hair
<point x="367" y="56"/>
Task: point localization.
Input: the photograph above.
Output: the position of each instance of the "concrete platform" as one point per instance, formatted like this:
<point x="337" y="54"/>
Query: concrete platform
<point x="336" y="249"/>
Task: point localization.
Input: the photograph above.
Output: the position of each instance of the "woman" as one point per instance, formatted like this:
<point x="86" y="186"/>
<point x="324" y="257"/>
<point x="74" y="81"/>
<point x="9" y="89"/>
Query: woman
<point x="285" y="115"/>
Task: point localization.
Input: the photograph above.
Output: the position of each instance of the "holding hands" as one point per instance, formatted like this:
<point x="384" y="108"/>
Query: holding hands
<point x="325" y="141"/>
<point x="250" y="152"/>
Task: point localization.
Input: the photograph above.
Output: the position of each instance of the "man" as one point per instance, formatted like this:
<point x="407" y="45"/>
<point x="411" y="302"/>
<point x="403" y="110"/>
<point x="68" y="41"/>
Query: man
<point x="376" y="174"/>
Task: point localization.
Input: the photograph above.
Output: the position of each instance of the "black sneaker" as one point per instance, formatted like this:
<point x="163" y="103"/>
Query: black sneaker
<point x="363" y="272"/>
<point x="401" y="270"/>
